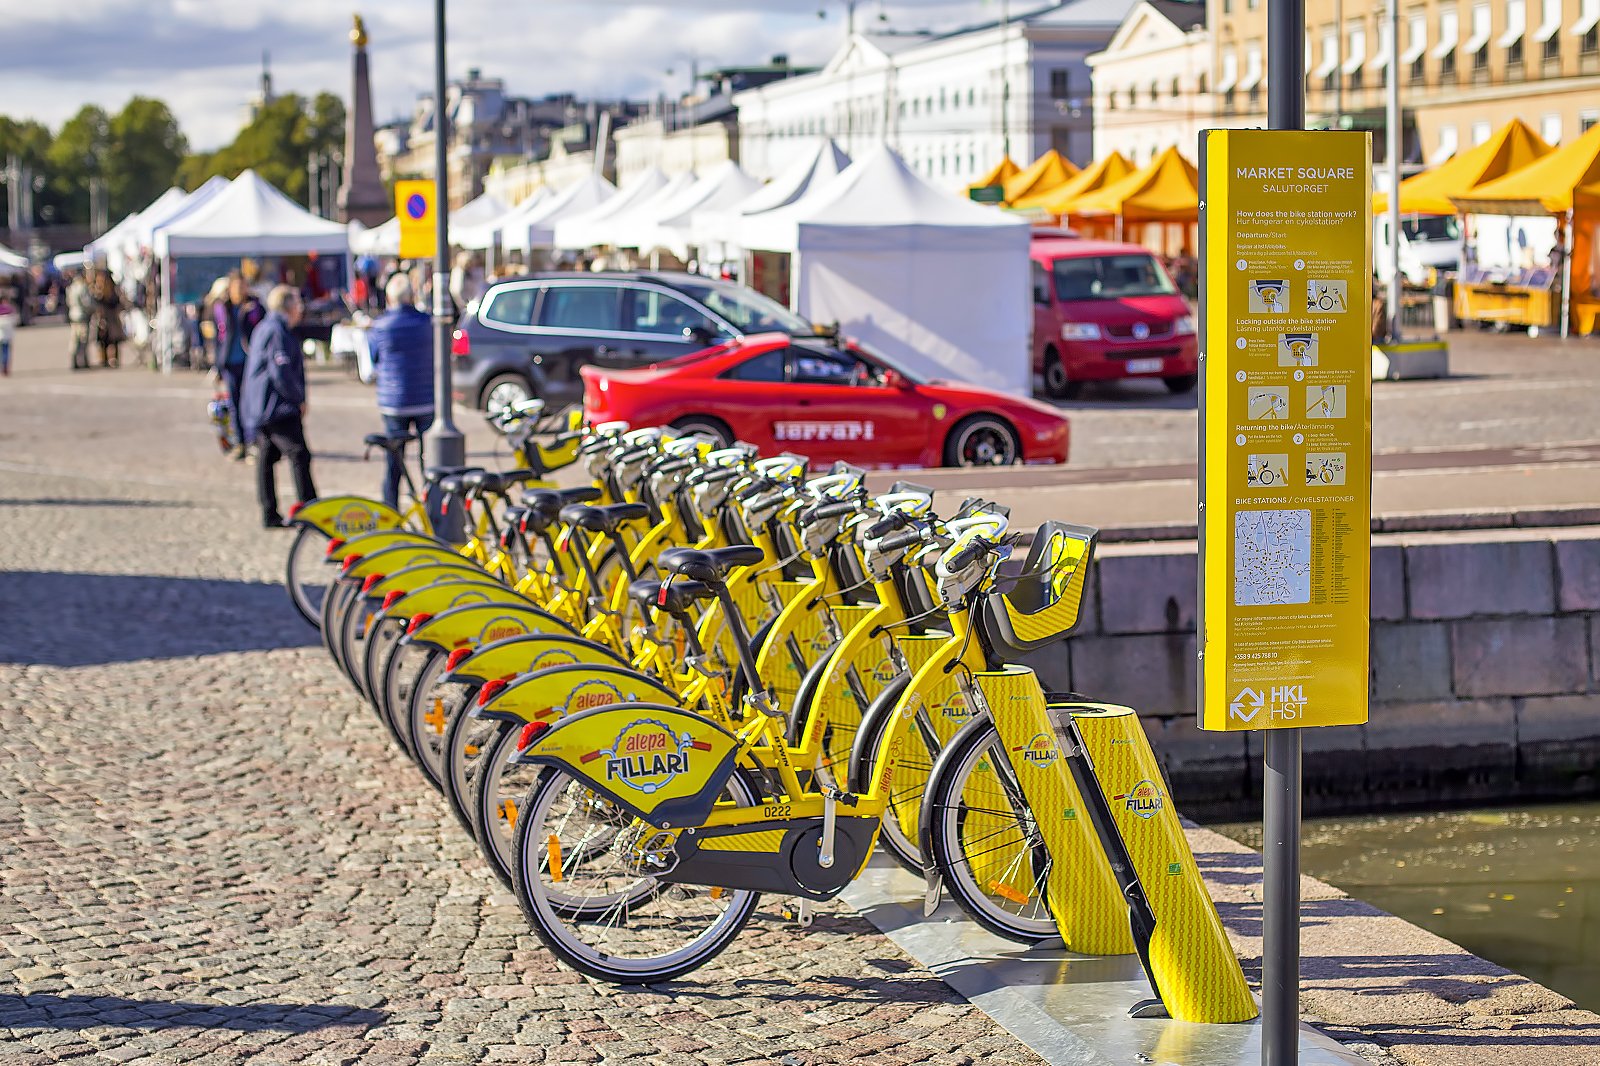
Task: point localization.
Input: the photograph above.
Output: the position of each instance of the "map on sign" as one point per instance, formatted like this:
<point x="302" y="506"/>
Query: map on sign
<point x="1271" y="558"/>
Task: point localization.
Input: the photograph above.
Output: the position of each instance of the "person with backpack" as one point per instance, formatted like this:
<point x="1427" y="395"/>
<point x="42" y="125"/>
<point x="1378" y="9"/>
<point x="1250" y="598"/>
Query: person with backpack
<point x="235" y="317"/>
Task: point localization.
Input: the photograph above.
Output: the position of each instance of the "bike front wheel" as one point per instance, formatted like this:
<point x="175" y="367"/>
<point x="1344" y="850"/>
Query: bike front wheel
<point x="984" y="840"/>
<point x="582" y="878"/>
<point x="306" y="575"/>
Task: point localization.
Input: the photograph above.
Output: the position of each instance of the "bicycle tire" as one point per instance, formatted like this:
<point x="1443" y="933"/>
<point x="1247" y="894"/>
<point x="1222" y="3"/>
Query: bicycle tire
<point x="465" y="743"/>
<point x="424" y="753"/>
<point x="863" y="757"/>
<point x="945" y="817"/>
<point x="557" y="932"/>
<point x="485" y="808"/>
<point x="309" y="545"/>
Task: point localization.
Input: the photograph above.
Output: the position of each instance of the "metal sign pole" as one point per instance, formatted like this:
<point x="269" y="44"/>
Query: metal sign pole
<point x="1280" y="749"/>
<point x="1392" y="147"/>
<point x="445" y="444"/>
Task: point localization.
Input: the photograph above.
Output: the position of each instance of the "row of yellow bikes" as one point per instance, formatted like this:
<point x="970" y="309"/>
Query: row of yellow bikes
<point x="698" y="675"/>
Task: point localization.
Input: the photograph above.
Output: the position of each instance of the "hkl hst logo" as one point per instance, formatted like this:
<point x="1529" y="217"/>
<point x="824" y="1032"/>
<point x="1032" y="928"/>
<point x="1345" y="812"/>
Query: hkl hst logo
<point x="1039" y="751"/>
<point x="1143" y="799"/>
<point x="1281" y="702"/>
<point x="647" y="755"/>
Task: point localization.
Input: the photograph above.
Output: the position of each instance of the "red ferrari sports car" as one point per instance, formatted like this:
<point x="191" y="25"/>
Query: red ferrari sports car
<point x="828" y="402"/>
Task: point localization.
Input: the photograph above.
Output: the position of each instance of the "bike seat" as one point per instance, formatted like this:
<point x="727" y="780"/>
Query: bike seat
<point x="709" y="565"/>
<point x="495" y="484"/>
<point x="436" y="474"/>
<point x="602" y="519"/>
<point x="681" y="595"/>
<point x="388" y="443"/>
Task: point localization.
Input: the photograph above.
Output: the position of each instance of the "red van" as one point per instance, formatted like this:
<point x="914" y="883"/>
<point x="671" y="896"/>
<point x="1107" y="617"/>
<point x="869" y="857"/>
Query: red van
<point x="1103" y="311"/>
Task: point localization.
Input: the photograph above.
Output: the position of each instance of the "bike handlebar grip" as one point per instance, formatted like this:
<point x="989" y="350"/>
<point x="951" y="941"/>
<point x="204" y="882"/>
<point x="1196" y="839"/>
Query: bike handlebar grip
<point x="899" y="540"/>
<point x="962" y="558"/>
<point x="830" y="510"/>
<point x="887" y="524"/>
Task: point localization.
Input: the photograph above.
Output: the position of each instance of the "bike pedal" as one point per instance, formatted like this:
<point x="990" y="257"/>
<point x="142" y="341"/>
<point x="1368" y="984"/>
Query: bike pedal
<point x="800" y="913"/>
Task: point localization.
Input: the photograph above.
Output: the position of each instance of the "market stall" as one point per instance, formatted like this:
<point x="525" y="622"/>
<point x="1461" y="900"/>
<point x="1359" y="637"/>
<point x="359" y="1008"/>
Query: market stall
<point x="1092" y="178"/>
<point x="1530" y="243"/>
<point x="484" y="236"/>
<point x="990" y="189"/>
<point x="670" y="229"/>
<point x="937" y="283"/>
<point x="717" y="231"/>
<point x="537" y="230"/>
<point x="1158" y="206"/>
<point x="589" y="229"/>
<point x="467" y="218"/>
<point x="1513" y="147"/>
<point x="1040" y="178"/>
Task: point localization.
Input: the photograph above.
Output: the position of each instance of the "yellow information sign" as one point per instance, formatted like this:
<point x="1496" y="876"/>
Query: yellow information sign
<point x="1285" y="428"/>
<point x="413" y="206"/>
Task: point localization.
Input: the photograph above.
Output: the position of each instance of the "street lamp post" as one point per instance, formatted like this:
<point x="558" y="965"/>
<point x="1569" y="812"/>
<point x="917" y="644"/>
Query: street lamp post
<point x="1392" y="147"/>
<point x="445" y="444"/>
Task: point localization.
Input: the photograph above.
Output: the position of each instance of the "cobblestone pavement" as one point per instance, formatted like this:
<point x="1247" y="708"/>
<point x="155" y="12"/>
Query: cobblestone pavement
<point x="209" y="852"/>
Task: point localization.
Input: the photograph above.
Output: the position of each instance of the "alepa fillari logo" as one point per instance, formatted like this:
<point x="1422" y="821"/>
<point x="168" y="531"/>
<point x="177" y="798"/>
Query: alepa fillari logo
<point x="647" y="755"/>
<point x="354" y="519"/>
<point x="502" y="627"/>
<point x="1039" y="751"/>
<point x="1143" y="799"/>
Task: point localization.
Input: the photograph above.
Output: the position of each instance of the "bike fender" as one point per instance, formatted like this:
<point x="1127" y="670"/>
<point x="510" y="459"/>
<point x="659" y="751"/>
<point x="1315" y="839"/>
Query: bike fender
<point x="346" y="516"/>
<point x="411" y="578"/>
<point x="485" y="623"/>
<point x="515" y="656"/>
<point x="371" y="543"/>
<point x="437" y="597"/>
<point x="662" y="764"/>
<point x="560" y="691"/>
<point x="394" y="559"/>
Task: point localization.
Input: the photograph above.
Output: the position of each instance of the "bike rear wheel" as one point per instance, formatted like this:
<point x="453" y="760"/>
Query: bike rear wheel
<point x="984" y="840"/>
<point x="595" y="909"/>
<point x="306" y="558"/>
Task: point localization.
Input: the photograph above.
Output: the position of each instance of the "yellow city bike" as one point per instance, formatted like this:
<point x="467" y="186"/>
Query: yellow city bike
<point x="643" y="846"/>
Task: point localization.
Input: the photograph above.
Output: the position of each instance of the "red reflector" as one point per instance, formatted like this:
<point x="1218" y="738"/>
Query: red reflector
<point x="490" y="691"/>
<point x="394" y="597"/>
<point x="457" y="657"/>
<point x="444" y="507"/>
<point x="418" y="622"/>
<point x="460" y="343"/>
<point x="349" y="561"/>
<point x="294" y="509"/>
<point x="661" y="595"/>
<point x="522" y="526"/>
<point x="335" y="544"/>
<point x="371" y="582"/>
<point x="530" y="733"/>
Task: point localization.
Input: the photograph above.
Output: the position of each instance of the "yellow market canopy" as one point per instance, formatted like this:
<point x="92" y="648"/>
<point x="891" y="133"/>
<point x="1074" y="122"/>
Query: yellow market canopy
<point x="1003" y="172"/>
<point x="1168" y="190"/>
<point x="1044" y="174"/>
<point x="1547" y="186"/>
<point x="1096" y="175"/>
<point x="1514" y="147"/>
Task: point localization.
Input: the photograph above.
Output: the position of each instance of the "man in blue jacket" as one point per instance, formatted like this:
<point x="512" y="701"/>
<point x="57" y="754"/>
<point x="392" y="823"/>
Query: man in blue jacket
<point x="274" y="408"/>
<point x="401" y="342"/>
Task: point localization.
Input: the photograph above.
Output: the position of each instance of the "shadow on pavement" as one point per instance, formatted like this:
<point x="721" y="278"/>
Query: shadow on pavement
<point x="54" y="618"/>
<point x="51" y="1011"/>
<point x="62" y="501"/>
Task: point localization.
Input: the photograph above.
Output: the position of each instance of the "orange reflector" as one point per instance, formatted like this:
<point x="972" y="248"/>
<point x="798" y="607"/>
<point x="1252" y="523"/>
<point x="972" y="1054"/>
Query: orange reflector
<point x="418" y="622"/>
<point x="508" y="811"/>
<point x="471" y="749"/>
<point x="717" y="891"/>
<point x="553" y="846"/>
<point x="1005" y="891"/>
<point x="436" y="717"/>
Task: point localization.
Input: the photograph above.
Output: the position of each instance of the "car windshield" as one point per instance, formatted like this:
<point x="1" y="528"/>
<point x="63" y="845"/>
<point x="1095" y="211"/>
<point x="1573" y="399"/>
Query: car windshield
<point x="1432" y="228"/>
<point x="1109" y="277"/>
<point x="747" y="310"/>
<point x="873" y="356"/>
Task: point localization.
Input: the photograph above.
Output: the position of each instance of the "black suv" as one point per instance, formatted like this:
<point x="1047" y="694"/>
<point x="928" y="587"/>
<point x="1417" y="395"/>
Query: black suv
<point x="527" y="336"/>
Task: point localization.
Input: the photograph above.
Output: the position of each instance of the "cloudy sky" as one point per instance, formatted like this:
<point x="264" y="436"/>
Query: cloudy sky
<point x="203" y="56"/>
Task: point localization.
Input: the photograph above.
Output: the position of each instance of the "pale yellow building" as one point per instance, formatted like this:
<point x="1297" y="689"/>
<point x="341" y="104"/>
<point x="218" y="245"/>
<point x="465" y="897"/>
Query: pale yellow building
<point x="1152" y="84"/>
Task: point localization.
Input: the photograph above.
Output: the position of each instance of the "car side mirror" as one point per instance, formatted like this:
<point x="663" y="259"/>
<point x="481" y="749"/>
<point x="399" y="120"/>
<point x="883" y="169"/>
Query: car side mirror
<point x="893" y="379"/>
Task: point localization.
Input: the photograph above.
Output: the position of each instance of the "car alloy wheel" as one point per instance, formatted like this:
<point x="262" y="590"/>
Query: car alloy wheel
<point x="504" y="393"/>
<point x="984" y="441"/>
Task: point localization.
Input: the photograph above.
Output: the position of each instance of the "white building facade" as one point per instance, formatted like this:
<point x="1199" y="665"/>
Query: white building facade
<point x="1153" y="84"/>
<point x="951" y="104"/>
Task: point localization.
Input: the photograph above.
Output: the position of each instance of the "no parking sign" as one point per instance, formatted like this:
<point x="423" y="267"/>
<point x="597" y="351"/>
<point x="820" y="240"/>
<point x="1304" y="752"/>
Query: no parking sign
<point x="414" y="206"/>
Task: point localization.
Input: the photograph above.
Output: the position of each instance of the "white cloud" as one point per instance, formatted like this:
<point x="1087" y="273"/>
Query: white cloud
<point x="203" y="56"/>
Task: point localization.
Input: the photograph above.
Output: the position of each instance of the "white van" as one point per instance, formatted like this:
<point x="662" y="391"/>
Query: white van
<point x="1429" y="245"/>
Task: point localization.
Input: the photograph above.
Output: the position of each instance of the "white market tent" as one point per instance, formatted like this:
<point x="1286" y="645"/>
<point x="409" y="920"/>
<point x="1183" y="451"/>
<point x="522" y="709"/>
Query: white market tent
<point x="670" y="228"/>
<point x="590" y="229"/>
<point x="623" y="228"/>
<point x="152" y="222"/>
<point x="250" y="217"/>
<point x="821" y="165"/>
<point x="12" y="259"/>
<point x="538" y="230"/>
<point x="486" y="234"/>
<point x="381" y="240"/>
<point x="936" y="283"/>
<point x="484" y="208"/>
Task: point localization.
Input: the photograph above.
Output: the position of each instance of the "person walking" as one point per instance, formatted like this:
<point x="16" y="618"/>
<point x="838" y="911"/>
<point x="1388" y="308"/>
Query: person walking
<point x="107" y="317"/>
<point x="80" y="309"/>
<point x="10" y="316"/>
<point x="274" y="407"/>
<point x="401" y="341"/>
<point x="235" y="317"/>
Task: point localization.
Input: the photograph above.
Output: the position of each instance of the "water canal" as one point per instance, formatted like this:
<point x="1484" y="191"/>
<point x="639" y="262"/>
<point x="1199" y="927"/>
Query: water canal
<point x="1519" y="886"/>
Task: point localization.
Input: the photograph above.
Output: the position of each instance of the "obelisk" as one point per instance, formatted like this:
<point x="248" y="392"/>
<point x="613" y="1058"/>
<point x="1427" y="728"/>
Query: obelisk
<point x="361" y="194"/>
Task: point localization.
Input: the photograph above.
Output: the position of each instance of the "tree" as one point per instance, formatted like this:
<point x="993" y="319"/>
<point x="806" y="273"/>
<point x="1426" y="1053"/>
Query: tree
<point x="146" y="147"/>
<point x="80" y="151"/>
<point x="29" y="143"/>
<point x="277" y="144"/>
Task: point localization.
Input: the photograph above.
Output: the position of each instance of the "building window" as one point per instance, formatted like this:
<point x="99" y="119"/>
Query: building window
<point x="1355" y="55"/>
<point x="1155" y="92"/>
<point x="1550" y="129"/>
<point x="1477" y="45"/>
<point x="1060" y="84"/>
<point x="1588" y="120"/>
<point x="1447" y="145"/>
<point x="1200" y="84"/>
<point x="1227" y="7"/>
<point x="1327" y="72"/>
<point x="1230" y="78"/>
<point x="1511" y="39"/>
<point x="1449" y="38"/>
<point x="1177" y="88"/>
<point x="1481" y="132"/>
<point x="972" y="97"/>
<point x="1111" y="100"/>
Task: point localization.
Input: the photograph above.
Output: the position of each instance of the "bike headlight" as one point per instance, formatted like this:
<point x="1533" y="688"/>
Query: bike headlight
<point x="1080" y="331"/>
<point x="1184" y="326"/>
